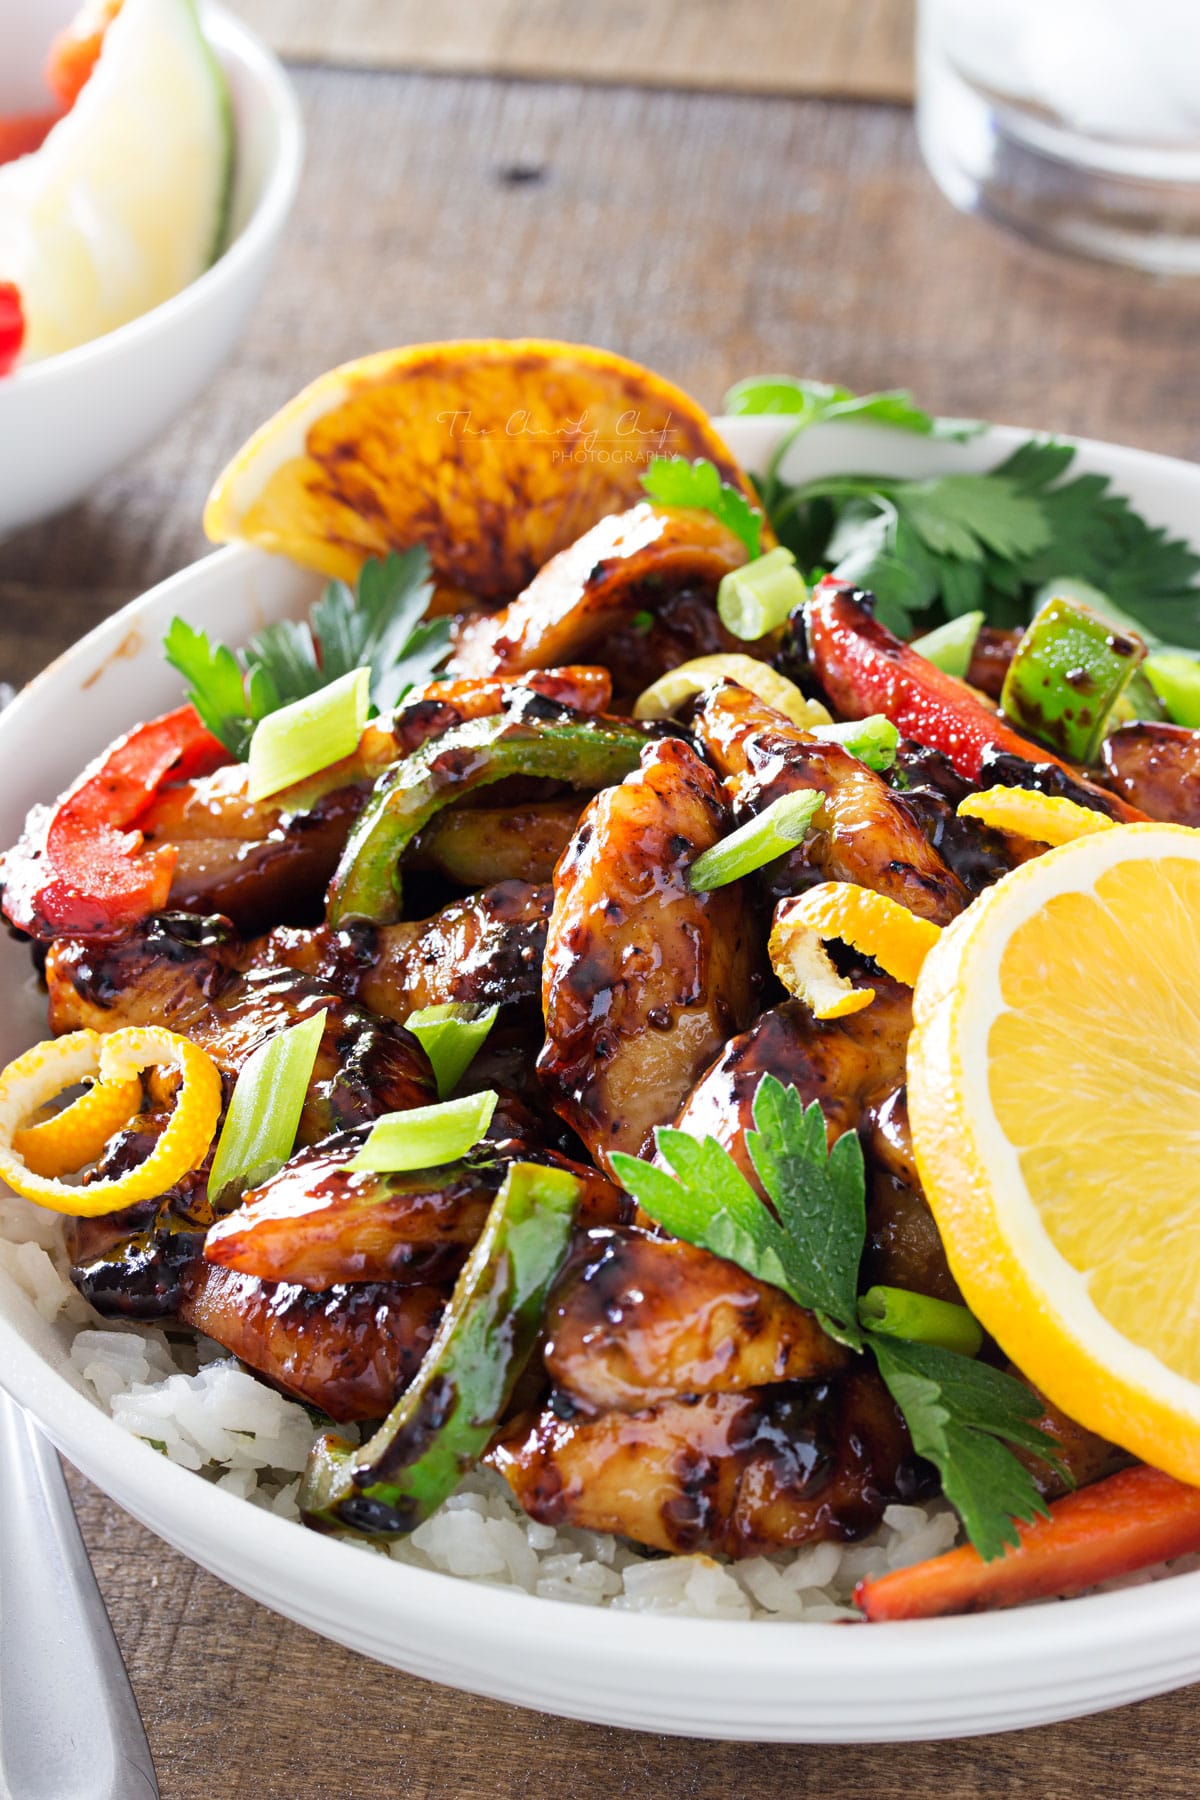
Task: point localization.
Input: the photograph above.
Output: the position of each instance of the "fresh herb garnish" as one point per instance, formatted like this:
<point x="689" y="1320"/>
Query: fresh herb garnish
<point x="674" y="481"/>
<point x="809" y="1242"/>
<point x="379" y="625"/>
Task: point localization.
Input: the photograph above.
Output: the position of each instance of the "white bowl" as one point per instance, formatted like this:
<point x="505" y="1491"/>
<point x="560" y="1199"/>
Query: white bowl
<point x="68" y="420"/>
<point x="794" y="1683"/>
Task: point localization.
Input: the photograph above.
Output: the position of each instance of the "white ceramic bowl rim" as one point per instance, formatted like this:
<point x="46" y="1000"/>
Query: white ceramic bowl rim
<point x="228" y="36"/>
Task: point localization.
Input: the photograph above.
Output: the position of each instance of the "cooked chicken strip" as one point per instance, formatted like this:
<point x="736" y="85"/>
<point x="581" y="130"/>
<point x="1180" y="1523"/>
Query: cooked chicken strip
<point x="643" y="979"/>
<point x="486" y="949"/>
<point x="735" y="1474"/>
<point x="625" y="562"/>
<point x="642" y="1319"/>
<point x="476" y="845"/>
<point x="183" y="972"/>
<point x="1157" y="769"/>
<point x="863" y="833"/>
<point x="348" y="1352"/>
<point x="321" y="1224"/>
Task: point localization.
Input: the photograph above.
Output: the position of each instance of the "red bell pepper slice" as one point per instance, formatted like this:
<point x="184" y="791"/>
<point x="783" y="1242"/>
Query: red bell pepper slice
<point x="865" y="669"/>
<point x="80" y="865"/>
<point x="23" y="133"/>
<point x="1127" y="1522"/>
<point x="12" y="325"/>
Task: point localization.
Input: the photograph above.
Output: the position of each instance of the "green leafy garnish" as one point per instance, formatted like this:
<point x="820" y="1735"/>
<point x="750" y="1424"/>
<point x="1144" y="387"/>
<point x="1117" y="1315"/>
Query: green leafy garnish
<point x="962" y="1415"/>
<point x="939" y="548"/>
<point x="812" y="402"/>
<point x="674" y="481"/>
<point x="378" y="625"/>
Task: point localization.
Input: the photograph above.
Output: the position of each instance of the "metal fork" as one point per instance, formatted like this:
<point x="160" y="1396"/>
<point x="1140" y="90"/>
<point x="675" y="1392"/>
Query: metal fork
<point x="69" y="1724"/>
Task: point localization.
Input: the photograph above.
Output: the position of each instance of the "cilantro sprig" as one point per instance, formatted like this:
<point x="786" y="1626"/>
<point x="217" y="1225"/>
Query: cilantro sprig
<point x="379" y="624"/>
<point x="962" y="1415"/>
<point x="934" y="549"/>
<point x="674" y="481"/>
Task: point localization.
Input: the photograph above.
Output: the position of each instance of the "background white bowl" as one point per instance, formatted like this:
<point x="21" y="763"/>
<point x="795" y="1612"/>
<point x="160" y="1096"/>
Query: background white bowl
<point x="794" y="1683"/>
<point x="68" y="420"/>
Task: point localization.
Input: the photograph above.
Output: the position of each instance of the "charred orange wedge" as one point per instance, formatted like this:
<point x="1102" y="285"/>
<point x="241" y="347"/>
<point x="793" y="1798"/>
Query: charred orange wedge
<point x="495" y="453"/>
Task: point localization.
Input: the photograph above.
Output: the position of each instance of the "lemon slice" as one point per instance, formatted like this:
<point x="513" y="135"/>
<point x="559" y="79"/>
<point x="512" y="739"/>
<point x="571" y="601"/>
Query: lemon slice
<point x="1054" y="1094"/>
<point x="125" y="201"/>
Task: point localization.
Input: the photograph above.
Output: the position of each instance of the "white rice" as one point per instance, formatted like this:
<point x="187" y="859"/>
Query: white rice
<point x="197" y="1405"/>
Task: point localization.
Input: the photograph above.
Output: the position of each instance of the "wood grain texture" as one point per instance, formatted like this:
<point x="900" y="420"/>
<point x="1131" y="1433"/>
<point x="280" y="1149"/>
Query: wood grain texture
<point x="858" y="48"/>
<point x="711" y="237"/>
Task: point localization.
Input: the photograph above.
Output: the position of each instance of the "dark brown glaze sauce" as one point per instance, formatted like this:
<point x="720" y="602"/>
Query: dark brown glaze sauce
<point x="182" y="972"/>
<point x="643" y="979"/>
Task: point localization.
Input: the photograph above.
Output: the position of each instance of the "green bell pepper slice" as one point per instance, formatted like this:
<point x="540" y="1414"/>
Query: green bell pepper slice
<point x="442" y="1423"/>
<point x="586" y="752"/>
<point x="1070" y="669"/>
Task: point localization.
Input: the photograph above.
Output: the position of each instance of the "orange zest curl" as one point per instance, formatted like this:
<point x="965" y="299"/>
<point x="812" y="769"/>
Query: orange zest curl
<point x="1048" y="818"/>
<point x="878" y="927"/>
<point x="117" y="1060"/>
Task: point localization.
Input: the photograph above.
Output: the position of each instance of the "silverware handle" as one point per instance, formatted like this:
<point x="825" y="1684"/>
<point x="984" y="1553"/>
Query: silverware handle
<point x="69" y="1724"/>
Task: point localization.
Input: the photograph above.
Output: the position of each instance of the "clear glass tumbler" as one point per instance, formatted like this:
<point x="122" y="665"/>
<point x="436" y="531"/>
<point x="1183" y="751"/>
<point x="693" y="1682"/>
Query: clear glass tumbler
<point x="1076" y="122"/>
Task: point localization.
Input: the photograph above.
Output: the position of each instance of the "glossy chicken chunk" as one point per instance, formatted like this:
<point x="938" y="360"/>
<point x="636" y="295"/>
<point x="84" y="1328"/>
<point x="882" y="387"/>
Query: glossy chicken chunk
<point x="348" y="1352"/>
<point x="643" y="979"/>
<point x="863" y="832"/>
<point x="577" y="600"/>
<point x="485" y="949"/>
<point x="1157" y="769"/>
<point x="322" y="1224"/>
<point x="643" y="1319"/>
<point x="183" y="972"/>
<point x="735" y="1474"/>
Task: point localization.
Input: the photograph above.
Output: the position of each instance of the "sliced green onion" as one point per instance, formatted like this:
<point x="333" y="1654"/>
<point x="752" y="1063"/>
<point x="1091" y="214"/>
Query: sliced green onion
<point x="898" y="1313"/>
<point x="426" y="1136"/>
<point x="451" y="1037"/>
<point x="1175" y="678"/>
<point x="758" y="598"/>
<point x="293" y="743"/>
<point x="952" y="645"/>
<point x="260" y="1127"/>
<point x="872" y="740"/>
<point x="778" y="828"/>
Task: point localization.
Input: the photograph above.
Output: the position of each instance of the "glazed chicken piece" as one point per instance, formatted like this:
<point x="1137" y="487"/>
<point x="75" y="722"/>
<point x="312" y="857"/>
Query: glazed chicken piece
<point x="477" y="845"/>
<point x="855" y="1068"/>
<point x="732" y="1474"/>
<point x="348" y="1352"/>
<point x="1157" y="769"/>
<point x="863" y="832"/>
<point x="932" y="790"/>
<point x="643" y="980"/>
<point x="486" y="949"/>
<point x="624" y="563"/>
<point x="184" y="972"/>
<point x="258" y="862"/>
<point x="320" y="1224"/>
<point x="642" y="1319"/>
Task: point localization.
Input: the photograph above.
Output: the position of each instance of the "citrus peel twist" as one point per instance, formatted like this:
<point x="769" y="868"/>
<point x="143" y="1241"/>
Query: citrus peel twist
<point x="1048" y="818"/>
<point x="872" y="923"/>
<point x="114" y="1062"/>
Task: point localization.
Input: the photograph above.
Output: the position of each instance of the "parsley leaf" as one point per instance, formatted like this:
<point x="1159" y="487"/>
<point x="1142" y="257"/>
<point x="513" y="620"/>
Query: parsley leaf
<point x="958" y="1412"/>
<point x="962" y="1415"/>
<point x="932" y="550"/>
<point x="377" y="625"/>
<point x="674" y="481"/>
<point x="813" y="401"/>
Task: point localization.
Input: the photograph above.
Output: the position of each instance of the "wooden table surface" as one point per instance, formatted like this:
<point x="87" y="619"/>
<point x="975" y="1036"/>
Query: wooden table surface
<point x="710" y="237"/>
